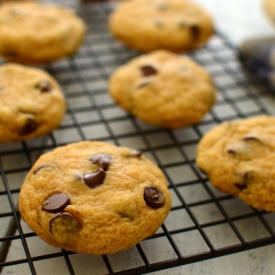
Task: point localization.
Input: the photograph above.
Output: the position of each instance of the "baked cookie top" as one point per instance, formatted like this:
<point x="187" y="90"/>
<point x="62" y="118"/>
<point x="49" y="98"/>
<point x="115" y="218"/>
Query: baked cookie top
<point x="238" y="157"/>
<point x="31" y="103"/>
<point x="174" y="25"/>
<point x="162" y="88"/>
<point x="269" y="8"/>
<point x="94" y="197"/>
<point x="35" y="33"/>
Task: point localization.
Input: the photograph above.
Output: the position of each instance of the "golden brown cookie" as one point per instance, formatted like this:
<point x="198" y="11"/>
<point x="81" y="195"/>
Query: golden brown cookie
<point x="238" y="157"/>
<point x="269" y="9"/>
<point x="31" y="103"/>
<point x="162" y="88"/>
<point x="93" y="197"/>
<point x="174" y="25"/>
<point x="35" y="33"/>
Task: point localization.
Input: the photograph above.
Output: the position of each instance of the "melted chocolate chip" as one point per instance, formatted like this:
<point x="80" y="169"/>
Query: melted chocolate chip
<point x="231" y="151"/>
<point x="240" y="186"/>
<point x="56" y="203"/>
<point x="135" y="153"/>
<point x="252" y="138"/>
<point x="29" y="127"/>
<point x="96" y="179"/>
<point x="44" y="86"/>
<point x="154" y="197"/>
<point x="148" y="70"/>
<point x="102" y="160"/>
<point x="64" y="227"/>
<point x="43" y="167"/>
<point x="195" y="31"/>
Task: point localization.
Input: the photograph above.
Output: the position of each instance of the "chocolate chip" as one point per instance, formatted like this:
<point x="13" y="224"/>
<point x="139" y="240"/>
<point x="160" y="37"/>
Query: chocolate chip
<point x="148" y="70"/>
<point x="251" y="137"/>
<point x="135" y="153"/>
<point x="29" y="127"/>
<point x="64" y="228"/>
<point x="56" y="203"/>
<point x="244" y="179"/>
<point x="102" y="160"/>
<point x="44" y="86"/>
<point x="195" y="31"/>
<point x="95" y="179"/>
<point x="43" y="167"/>
<point x="231" y="151"/>
<point x="154" y="197"/>
<point x="240" y="186"/>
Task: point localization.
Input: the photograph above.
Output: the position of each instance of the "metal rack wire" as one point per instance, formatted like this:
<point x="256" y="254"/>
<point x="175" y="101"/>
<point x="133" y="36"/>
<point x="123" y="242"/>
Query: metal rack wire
<point x="203" y="223"/>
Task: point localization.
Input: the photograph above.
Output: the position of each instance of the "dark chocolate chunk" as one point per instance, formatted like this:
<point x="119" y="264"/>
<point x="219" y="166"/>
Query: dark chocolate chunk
<point x="56" y="203"/>
<point x="148" y="70"/>
<point x="154" y="197"/>
<point x="231" y="151"/>
<point x="195" y="31"/>
<point x="102" y="160"/>
<point x="43" y="167"/>
<point x="44" y="86"/>
<point x="135" y="153"/>
<point x="252" y="138"/>
<point x="64" y="227"/>
<point x="29" y="127"/>
<point x="95" y="179"/>
<point x="240" y="186"/>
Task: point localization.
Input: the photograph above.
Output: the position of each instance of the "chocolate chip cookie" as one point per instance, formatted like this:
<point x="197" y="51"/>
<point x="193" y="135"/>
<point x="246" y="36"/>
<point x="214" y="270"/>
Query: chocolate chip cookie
<point x="93" y="197"/>
<point x="36" y="33"/>
<point x="31" y="103"/>
<point x="174" y="25"/>
<point x="164" y="89"/>
<point x="238" y="157"/>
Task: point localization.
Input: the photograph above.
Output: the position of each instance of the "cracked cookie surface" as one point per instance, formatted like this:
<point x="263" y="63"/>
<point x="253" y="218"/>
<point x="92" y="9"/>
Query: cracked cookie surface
<point x="238" y="157"/>
<point x="31" y="103"/>
<point x="35" y="33"/>
<point x="174" y="25"/>
<point x="164" y="89"/>
<point x="68" y="204"/>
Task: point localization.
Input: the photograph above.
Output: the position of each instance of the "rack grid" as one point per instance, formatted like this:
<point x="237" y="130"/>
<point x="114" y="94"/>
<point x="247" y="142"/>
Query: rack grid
<point x="203" y="223"/>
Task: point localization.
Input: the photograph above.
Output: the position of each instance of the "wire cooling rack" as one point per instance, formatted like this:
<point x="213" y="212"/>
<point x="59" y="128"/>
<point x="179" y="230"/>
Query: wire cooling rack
<point x="203" y="223"/>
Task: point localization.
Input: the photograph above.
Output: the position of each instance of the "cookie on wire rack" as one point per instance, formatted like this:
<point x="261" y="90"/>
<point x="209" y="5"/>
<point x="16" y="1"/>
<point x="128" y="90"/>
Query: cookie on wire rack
<point x="173" y="25"/>
<point x="93" y="197"/>
<point x="36" y="33"/>
<point x="31" y="103"/>
<point x="238" y="157"/>
<point x="163" y="89"/>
